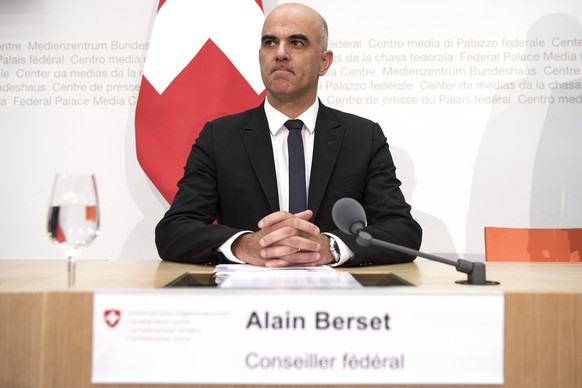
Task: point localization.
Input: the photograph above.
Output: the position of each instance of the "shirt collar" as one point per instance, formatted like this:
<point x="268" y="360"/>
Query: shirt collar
<point x="277" y="119"/>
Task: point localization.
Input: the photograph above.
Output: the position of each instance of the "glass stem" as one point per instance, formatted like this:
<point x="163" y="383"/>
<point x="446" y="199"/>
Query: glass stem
<point x="71" y="270"/>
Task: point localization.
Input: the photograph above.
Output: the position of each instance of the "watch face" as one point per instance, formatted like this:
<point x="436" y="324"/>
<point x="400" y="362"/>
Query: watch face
<point x="334" y="250"/>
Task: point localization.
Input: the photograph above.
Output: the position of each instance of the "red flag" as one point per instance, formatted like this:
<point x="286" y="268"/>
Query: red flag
<point x="202" y="63"/>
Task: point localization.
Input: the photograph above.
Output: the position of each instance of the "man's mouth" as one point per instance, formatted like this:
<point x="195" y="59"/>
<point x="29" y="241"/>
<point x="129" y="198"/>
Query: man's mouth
<point x="283" y="69"/>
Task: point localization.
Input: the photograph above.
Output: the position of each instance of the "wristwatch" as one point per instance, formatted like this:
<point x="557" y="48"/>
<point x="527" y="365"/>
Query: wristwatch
<point x="334" y="250"/>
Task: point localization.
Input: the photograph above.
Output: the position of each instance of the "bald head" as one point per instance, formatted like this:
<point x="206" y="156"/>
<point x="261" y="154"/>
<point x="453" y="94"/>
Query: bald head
<point x="301" y="11"/>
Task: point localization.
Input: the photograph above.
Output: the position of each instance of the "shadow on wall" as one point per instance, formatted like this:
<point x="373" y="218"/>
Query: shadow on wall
<point x="140" y="244"/>
<point x="556" y="195"/>
<point x="436" y="238"/>
<point x="528" y="169"/>
<point x="19" y="6"/>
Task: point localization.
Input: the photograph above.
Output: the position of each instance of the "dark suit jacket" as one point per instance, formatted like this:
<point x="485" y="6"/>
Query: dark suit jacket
<point x="230" y="177"/>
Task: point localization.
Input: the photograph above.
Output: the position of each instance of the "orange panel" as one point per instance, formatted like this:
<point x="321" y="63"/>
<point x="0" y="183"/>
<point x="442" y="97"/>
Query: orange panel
<point x="533" y="244"/>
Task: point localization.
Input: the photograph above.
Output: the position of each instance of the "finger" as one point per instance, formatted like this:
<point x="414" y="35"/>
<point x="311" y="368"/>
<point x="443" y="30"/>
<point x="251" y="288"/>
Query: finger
<point x="274" y="218"/>
<point x="282" y="215"/>
<point x="291" y="262"/>
<point x="277" y="251"/>
<point x="289" y="228"/>
<point x="304" y="215"/>
<point x="289" y="236"/>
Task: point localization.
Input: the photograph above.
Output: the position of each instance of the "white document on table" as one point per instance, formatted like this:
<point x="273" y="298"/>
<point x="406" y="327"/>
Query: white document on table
<point x="251" y="276"/>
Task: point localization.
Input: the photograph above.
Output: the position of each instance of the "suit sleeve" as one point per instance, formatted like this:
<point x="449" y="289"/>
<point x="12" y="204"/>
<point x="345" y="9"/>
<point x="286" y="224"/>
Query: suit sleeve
<point x="187" y="232"/>
<point x="387" y="212"/>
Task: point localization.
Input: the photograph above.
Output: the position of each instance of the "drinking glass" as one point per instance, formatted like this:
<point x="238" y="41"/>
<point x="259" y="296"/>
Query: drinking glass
<point x="73" y="216"/>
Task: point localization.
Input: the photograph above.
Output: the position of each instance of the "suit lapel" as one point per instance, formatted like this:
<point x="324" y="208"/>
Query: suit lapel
<point x="257" y="141"/>
<point x="328" y="138"/>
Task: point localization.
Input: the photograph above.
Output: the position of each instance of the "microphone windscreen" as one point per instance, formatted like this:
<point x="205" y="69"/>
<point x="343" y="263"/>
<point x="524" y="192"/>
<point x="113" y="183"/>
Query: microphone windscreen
<point x="347" y="212"/>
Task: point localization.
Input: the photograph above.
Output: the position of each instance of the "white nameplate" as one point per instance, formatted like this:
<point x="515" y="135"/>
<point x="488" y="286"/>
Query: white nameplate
<point x="397" y="335"/>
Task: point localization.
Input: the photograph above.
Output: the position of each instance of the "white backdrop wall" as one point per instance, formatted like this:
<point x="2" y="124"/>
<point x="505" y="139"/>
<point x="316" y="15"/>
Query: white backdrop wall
<point x="481" y="103"/>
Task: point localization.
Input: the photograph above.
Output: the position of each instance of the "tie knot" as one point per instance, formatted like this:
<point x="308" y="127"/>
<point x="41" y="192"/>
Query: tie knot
<point x="293" y="125"/>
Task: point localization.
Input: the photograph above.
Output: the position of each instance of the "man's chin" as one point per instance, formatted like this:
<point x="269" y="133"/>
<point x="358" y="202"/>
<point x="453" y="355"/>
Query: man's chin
<point x="278" y="96"/>
<point x="280" y="88"/>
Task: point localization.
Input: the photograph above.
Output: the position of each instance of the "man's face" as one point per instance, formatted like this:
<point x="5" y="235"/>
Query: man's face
<point x="290" y="56"/>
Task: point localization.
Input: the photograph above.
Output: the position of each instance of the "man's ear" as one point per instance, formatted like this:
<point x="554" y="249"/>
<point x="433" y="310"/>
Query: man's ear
<point x="326" y="61"/>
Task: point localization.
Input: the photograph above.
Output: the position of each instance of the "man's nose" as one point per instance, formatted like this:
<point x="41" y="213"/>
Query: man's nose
<point x="281" y="54"/>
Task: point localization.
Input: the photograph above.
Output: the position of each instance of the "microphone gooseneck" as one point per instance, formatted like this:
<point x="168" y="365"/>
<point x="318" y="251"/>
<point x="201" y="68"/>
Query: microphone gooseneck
<point x="350" y="217"/>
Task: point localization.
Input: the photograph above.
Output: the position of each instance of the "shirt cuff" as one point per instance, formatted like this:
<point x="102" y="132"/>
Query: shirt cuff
<point x="226" y="248"/>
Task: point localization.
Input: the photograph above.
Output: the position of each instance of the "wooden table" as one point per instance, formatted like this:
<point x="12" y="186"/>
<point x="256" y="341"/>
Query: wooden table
<point x="46" y="327"/>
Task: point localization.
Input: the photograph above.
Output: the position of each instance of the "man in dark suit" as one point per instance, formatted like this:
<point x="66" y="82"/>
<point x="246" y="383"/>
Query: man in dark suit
<point x="238" y="174"/>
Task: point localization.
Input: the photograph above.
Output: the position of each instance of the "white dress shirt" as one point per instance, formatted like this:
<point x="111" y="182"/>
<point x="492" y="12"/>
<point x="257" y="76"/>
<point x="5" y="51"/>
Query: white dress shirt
<point x="279" y="135"/>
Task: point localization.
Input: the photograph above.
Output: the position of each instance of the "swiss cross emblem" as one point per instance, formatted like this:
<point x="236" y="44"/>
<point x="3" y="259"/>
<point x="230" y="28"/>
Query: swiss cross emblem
<point x="112" y="317"/>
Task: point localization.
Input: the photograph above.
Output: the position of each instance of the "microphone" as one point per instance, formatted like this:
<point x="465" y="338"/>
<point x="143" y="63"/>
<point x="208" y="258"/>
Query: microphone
<point x="350" y="217"/>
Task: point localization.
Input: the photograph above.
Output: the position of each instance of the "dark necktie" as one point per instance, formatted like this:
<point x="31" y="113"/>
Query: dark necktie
<point x="297" y="190"/>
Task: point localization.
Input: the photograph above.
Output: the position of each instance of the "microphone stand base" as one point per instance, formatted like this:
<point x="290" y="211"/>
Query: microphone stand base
<point x="487" y="283"/>
<point x="475" y="274"/>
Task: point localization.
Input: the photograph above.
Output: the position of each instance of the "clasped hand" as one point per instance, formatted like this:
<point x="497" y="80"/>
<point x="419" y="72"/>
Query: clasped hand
<point x="284" y="240"/>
